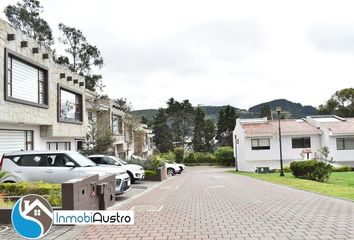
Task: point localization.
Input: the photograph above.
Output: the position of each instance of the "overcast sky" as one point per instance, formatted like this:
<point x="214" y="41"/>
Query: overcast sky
<point x="215" y="52"/>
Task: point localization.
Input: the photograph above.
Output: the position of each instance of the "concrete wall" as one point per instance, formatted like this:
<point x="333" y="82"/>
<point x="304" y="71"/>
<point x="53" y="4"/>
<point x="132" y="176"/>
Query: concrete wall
<point x="47" y="118"/>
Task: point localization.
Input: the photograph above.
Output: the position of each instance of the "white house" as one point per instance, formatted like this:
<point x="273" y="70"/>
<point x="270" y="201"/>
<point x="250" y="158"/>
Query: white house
<point x="41" y="102"/>
<point x="338" y="135"/>
<point x="256" y="141"/>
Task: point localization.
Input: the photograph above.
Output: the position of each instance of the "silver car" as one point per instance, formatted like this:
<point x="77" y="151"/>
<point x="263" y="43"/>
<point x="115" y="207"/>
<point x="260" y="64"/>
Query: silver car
<point x="56" y="167"/>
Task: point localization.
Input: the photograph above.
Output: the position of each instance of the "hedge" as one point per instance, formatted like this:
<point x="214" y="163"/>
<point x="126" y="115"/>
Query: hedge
<point x="311" y="170"/>
<point x="52" y="192"/>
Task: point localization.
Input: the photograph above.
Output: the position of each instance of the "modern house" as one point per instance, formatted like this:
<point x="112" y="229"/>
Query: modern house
<point x="256" y="141"/>
<point x="143" y="141"/>
<point x="108" y="118"/>
<point x="41" y="102"/>
<point x="338" y="135"/>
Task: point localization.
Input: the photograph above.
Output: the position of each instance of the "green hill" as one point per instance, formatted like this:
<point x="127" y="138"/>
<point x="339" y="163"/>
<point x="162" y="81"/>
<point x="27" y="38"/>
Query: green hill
<point x="211" y="112"/>
<point x="296" y="109"/>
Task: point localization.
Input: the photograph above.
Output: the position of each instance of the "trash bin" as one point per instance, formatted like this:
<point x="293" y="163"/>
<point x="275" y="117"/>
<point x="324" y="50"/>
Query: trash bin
<point x="262" y="170"/>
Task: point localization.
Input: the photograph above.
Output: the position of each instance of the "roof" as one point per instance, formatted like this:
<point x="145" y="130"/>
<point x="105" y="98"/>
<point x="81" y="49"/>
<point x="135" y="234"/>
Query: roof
<point x="288" y="127"/>
<point x="341" y="127"/>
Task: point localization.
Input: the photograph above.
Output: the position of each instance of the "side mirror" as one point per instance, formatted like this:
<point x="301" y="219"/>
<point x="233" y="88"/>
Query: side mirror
<point x="69" y="164"/>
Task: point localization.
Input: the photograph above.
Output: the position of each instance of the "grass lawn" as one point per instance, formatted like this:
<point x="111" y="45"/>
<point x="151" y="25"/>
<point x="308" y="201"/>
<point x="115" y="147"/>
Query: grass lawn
<point x="340" y="184"/>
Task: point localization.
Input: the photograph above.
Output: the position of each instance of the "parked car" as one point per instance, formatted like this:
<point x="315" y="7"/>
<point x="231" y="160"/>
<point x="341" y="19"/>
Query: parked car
<point x="56" y="167"/>
<point x="135" y="172"/>
<point x="181" y="166"/>
<point x="172" y="168"/>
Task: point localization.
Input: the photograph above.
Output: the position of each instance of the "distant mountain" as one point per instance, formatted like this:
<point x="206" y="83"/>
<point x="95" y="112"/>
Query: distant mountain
<point x="212" y="112"/>
<point x="296" y="109"/>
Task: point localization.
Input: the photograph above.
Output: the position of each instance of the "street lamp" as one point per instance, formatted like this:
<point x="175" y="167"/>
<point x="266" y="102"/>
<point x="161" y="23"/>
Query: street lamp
<point x="235" y="152"/>
<point x="278" y="109"/>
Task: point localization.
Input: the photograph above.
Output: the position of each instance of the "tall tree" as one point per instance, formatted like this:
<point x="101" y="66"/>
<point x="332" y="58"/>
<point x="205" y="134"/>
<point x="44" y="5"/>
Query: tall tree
<point x="180" y="115"/>
<point x="225" y="126"/>
<point x="198" y="141"/>
<point x="99" y="137"/>
<point x="25" y="16"/>
<point x="341" y="103"/>
<point x="82" y="56"/>
<point x="163" y="134"/>
<point x="266" y="112"/>
<point x="209" y="134"/>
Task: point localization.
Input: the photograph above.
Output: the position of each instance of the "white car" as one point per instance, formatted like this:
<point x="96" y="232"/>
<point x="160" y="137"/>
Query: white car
<point x="135" y="172"/>
<point x="56" y="167"/>
<point x="181" y="166"/>
<point x="172" y="168"/>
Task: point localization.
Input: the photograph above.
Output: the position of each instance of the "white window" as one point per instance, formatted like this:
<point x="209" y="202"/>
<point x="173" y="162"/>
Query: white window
<point x="26" y="82"/>
<point x="260" y="144"/>
<point x="58" y="146"/>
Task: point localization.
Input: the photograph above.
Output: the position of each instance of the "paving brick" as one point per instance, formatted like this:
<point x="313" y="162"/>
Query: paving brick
<point x="208" y="203"/>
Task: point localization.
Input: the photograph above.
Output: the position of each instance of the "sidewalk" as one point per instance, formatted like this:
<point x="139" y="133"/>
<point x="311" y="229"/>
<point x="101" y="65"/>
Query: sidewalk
<point x="70" y="232"/>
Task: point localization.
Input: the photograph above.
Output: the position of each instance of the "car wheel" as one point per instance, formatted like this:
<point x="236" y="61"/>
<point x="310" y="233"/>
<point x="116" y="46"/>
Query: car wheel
<point x="170" y="171"/>
<point x="132" y="179"/>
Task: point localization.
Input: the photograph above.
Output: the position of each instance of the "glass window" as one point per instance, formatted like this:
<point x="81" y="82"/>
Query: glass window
<point x="58" y="146"/>
<point x="29" y="160"/>
<point x="70" y="106"/>
<point x="345" y="143"/>
<point x="303" y="142"/>
<point x="117" y="125"/>
<point x="29" y="140"/>
<point x="57" y="160"/>
<point x="260" y="144"/>
<point x="26" y="82"/>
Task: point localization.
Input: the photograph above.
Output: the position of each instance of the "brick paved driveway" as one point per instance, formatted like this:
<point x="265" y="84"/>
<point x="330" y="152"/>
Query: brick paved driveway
<point x="208" y="203"/>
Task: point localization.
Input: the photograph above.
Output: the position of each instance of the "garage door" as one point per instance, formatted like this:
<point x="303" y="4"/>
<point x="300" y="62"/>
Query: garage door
<point x="13" y="140"/>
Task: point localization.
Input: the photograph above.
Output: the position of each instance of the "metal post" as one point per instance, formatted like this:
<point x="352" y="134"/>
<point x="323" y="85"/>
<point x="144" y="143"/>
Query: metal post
<point x="278" y="109"/>
<point x="236" y="168"/>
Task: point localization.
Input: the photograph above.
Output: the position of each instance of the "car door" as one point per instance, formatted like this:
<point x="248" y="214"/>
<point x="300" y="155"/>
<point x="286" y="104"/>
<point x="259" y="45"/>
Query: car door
<point x="57" y="171"/>
<point x="29" y="167"/>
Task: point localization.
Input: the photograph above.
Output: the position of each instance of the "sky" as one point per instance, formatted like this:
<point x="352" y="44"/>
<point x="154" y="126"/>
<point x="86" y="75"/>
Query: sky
<point x="221" y="52"/>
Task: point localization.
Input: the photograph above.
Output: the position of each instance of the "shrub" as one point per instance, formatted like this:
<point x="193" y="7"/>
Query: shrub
<point x="191" y="158"/>
<point x="342" y="169"/>
<point x="205" y="157"/>
<point x="225" y="156"/>
<point x="150" y="173"/>
<point x="50" y="191"/>
<point x="146" y="164"/>
<point x="170" y="156"/>
<point x="179" y="154"/>
<point x="311" y="170"/>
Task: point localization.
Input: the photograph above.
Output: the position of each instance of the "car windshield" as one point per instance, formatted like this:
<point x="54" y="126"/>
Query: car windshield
<point x="82" y="160"/>
<point x="119" y="160"/>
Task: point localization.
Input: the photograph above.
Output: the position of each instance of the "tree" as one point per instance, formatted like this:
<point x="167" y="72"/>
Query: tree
<point x="209" y="134"/>
<point x="266" y="112"/>
<point x="180" y="115"/>
<point x="99" y="137"/>
<point x="341" y="103"/>
<point x="163" y="134"/>
<point x="198" y="141"/>
<point x="225" y="126"/>
<point x="26" y="17"/>
<point x="144" y="120"/>
<point x="83" y="56"/>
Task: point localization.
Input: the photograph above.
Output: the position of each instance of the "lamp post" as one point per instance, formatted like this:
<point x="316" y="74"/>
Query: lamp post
<point x="278" y="109"/>
<point x="235" y="152"/>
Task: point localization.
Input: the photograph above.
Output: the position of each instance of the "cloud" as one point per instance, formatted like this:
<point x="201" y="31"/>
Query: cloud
<point x="192" y="50"/>
<point x="337" y="38"/>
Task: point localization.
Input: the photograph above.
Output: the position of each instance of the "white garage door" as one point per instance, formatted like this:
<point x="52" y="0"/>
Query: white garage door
<point x="13" y="140"/>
